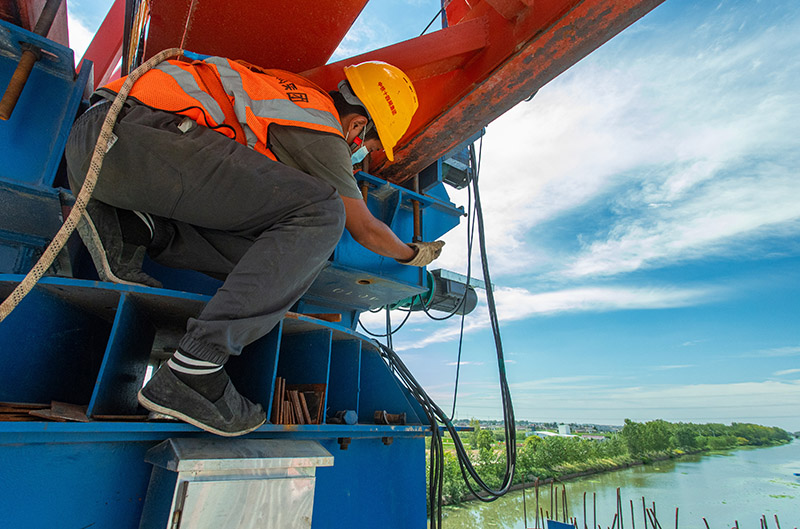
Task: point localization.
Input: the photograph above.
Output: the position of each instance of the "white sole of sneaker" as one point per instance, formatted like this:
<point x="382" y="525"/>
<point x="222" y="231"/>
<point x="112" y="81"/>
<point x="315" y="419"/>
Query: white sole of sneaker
<point x="152" y="406"/>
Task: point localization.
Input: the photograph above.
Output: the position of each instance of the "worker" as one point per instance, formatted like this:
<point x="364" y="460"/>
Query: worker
<point x="244" y="174"/>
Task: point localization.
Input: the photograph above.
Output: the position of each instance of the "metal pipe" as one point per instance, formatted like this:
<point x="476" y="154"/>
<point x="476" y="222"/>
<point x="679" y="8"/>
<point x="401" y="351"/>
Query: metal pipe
<point x="46" y="17"/>
<point x="30" y="54"/>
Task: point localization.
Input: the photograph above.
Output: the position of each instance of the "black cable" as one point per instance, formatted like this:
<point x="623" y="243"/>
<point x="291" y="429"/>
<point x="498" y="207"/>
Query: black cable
<point x="435" y="415"/>
<point x="375" y="335"/>
<point x="432" y="21"/>
<point x="470" y="238"/>
<point x="476" y="167"/>
<point x="389" y="331"/>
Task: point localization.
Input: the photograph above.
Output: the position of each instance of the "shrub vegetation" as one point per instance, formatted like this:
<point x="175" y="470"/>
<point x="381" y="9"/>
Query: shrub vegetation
<point x="560" y="457"/>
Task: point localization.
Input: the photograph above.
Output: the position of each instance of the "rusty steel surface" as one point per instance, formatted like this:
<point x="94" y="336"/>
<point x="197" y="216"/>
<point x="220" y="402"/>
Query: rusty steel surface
<point x="292" y="35"/>
<point x="25" y="13"/>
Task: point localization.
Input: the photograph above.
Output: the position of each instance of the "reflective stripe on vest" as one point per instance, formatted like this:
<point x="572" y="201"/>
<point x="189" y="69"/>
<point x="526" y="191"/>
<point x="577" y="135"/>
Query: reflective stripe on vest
<point x="189" y="85"/>
<point x="232" y="83"/>
<point x="268" y="108"/>
<point x="238" y="100"/>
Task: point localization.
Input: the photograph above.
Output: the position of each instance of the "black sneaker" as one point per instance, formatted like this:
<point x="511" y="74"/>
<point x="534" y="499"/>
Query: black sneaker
<point x="229" y="416"/>
<point x="115" y="260"/>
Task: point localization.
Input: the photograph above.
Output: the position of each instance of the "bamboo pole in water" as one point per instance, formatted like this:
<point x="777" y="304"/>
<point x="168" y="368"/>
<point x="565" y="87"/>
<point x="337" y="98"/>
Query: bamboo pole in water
<point x="644" y="513"/>
<point x="555" y="511"/>
<point x="584" y="511"/>
<point x="633" y="520"/>
<point x="524" y="504"/>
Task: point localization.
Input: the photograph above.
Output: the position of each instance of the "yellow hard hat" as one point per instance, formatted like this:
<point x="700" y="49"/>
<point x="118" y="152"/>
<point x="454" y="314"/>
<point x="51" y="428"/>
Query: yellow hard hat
<point x="389" y="97"/>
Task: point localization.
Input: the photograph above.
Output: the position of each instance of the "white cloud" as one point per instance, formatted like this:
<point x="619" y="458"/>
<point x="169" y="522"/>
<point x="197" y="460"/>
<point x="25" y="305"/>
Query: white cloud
<point x="80" y="36"/>
<point x="465" y="363"/>
<point x="762" y="402"/>
<point x="518" y="304"/>
<point x="693" y="152"/>
<point x="786" y="372"/>
<point x="778" y="351"/>
<point x="671" y="367"/>
<point x="368" y="33"/>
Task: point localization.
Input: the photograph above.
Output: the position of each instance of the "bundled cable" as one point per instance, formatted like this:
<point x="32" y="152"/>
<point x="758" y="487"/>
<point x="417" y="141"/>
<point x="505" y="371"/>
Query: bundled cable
<point x="477" y="486"/>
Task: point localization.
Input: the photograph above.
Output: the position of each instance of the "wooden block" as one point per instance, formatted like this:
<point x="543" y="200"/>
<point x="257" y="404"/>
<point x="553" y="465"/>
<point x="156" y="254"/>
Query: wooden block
<point x="15" y="406"/>
<point x="17" y="417"/>
<point x="276" y="401"/>
<point x="120" y="418"/>
<point x="304" y="407"/>
<point x="62" y="411"/>
<point x="287" y="410"/>
<point x="298" y="411"/>
<point x="333" y="318"/>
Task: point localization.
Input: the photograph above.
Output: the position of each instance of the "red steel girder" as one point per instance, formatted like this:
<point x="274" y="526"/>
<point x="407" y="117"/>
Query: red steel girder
<point x="105" y="49"/>
<point x="292" y="35"/>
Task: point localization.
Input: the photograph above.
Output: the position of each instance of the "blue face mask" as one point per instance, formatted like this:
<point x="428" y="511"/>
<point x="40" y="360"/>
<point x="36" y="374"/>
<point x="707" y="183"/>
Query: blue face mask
<point x="359" y="154"/>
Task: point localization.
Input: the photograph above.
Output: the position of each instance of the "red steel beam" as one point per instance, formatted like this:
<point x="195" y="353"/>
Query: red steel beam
<point x="292" y="35"/>
<point x="105" y="51"/>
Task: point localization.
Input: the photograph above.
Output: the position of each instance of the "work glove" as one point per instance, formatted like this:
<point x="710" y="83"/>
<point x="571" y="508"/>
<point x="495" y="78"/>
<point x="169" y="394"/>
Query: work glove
<point x="426" y="252"/>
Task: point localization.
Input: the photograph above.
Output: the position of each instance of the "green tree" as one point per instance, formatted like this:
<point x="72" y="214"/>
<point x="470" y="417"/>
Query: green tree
<point x="634" y="435"/>
<point x="656" y="434"/>
<point x="473" y="436"/>
<point x="485" y="440"/>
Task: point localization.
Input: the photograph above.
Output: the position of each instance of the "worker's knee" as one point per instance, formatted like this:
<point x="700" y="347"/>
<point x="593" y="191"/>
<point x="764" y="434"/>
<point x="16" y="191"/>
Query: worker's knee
<point x="332" y="211"/>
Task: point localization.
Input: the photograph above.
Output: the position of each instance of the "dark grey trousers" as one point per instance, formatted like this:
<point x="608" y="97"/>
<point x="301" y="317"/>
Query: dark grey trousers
<point x="229" y="211"/>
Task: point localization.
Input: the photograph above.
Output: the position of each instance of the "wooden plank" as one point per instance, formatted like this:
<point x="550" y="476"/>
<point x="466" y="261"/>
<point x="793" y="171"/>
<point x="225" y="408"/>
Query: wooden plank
<point x="22" y="406"/>
<point x="62" y="411"/>
<point x="304" y="407"/>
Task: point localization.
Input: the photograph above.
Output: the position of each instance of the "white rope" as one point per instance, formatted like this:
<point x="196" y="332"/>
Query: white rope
<point x="60" y="239"/>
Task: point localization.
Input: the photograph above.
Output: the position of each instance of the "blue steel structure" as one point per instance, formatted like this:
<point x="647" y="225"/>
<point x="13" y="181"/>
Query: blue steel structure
<point x="80" y="341"/>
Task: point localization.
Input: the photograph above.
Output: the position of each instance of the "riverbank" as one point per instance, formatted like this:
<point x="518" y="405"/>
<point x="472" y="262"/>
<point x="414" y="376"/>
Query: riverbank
<point x="565" y="458"/>
<point x="723" y="487"/>
<point x="530" y="481"/>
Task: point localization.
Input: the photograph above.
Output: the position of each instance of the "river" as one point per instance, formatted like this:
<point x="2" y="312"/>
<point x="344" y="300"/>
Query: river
<point x="724" y="487"/>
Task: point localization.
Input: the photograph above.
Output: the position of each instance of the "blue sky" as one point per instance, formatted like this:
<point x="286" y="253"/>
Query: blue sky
<point x="643" y="213"/>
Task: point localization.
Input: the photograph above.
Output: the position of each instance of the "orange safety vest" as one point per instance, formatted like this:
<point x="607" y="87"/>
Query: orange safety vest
<point x="236" y="99"/>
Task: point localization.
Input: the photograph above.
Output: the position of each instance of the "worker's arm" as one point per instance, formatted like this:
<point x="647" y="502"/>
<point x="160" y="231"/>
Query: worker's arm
<point x="372" y="233"/>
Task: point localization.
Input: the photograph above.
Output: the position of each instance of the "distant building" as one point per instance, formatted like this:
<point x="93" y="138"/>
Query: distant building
<point x="544" y="434"/>
<point x="564" y="429"/>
